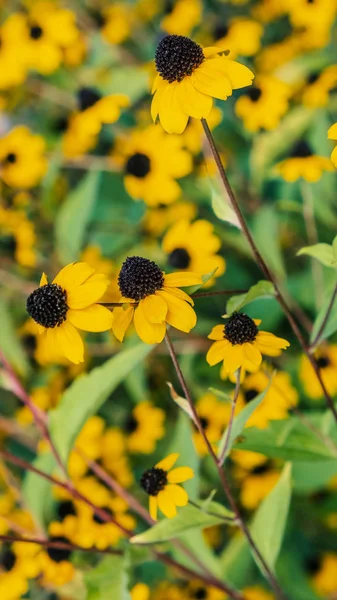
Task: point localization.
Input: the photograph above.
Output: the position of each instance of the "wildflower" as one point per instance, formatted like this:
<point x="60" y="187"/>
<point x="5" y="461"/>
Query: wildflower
<point x="19" y="236"/>
<point x="197" y="589"/>
<point x="214" y="416"/>
<point x="181" y="16"/>
<point x="116" y="22"/>
<point x="114" y="458"/>
<point x="156" y="220"/>
<point x="89" y="443"/>
<point x="240" y="344"/>
<point x="42" y="398"/>
<point x="332" y="135"/>
<point x="140" y="591"/>
<point x="325" y="577"/>
<point x="241" y="35"/>
<point x="148" y="174"/>
<point x="318" y="86"/>
<point x="188" y="78"/>
<point x="13" y="61"/>
<point x="327" y="361"/>
<point x="257" y="477"/>
<point x="69" y="302"/>
<point x="264" y="104"/>
<point x="315" y="14"/>
<point x="22" y="158"/>
<point x="257" y="592"/>
<point x="193" y="246"/>
<point x="144" y="427"/>
<point x="303" y="163"/>
<point x="153" y="299"/>
<point x="160" y="483"/>
<point x="56" y="568"/>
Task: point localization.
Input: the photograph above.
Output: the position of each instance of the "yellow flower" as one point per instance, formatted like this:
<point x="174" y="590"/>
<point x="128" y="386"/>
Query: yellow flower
<point x="86" y="124"/>
<point x="148" y="174"/>
<point x="256" y="475"/>
<point x="303" y="163"/>
<point x="140" y="591"/>
<point x="194" y="134"/>
<point x="279" y="399"/>
<point x="12" y="586"/>
<point x="89" y="443"/>
<point x="13" y="58"/>
<point x="41" y="397"/>
<point x="23" y="163"/>
<point x="153" y="299"/>
<point x="316" y="93"/>
<point x="264" y="104"/>
<point x="241" y="35"/>
<point x="256" y="592"/>
<point x="144" y="427"/>
<point x="118" y="20"/>
<point x="156" y="220"/>
<point x="325" y="580"/>
<point x="317" y="14"/>
<point x="188" y="79"/>
<point x="21" y="236"/>
<point x="332" y="135"/>
<point x="273" y="56"/>
<point x="327" y="362"/>
<point x="56" y="569"/>
<point x="214" y="416"/>
<point x="114" y="458"/>
<point x="160" y="483"/>
<point x="68" y="303"/>
<point x="182" y="16"/>
<point x="240" y="344"/>
<point x="193" y="246"/>
<point x="197" y="589"/>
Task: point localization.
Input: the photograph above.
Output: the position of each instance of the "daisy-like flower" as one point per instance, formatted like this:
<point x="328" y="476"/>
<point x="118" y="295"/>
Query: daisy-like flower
<point x="160" y="483"/>
<point x="68" y="303"/>
<point x="144" y="427"/>
<point x="188" y="78"/>
<point x="153" y="299"/>
<point x="264" y="104"/>
<point x="240" y="344"/>
<point x="332" y="135"/>
<point x="181" y="16"/>
<point x="22" y="158"/>
<point x="241" y="35"/>
<point x="303" y="163"/>
<point x="194" y="246"/>
<point x="257" y="476"/>
<point x="326" y="357"/>
<point x="318" y="86"/>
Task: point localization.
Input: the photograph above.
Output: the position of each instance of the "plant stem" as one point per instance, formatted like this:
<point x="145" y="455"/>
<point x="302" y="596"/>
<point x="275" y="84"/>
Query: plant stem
<point x="55" y="544"/>
<point x="225" y="484"/>
<point x="218" y="293"/>
<point x="264" y="267"/>
<point x="223" y="454"/>
<point x="325" y="320"/>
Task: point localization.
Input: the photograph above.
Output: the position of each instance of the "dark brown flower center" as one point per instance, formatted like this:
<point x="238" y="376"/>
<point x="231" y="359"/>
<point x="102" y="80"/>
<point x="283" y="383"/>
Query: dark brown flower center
<point x="301" y="150"/>
<point x="240" y="329"/>
<point x="10" y="158"/>
<point x="87" y="97"/>
<point x="48" y="305"/>
<point x="59" y="554"/>
<point x="179" y="258"/>
<point x="35" y="32"/>
<point x="177" y="57"/>
<point x="139" y="277"/>
<point x="323" y="362"/>
<point x="138" y="165"/>
<point x="153" y="481"/>
<point x="250" y="394"/>
<point x="254" y="93"/>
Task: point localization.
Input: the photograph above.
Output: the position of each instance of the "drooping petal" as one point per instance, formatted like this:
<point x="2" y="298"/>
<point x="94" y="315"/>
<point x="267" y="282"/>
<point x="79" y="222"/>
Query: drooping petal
<point x="194" y="102"/>
<point x="182" y="279"/>
<point x="166" y="504"/>
<point x="121" y="320"/>
<point x="167" y="463"/>
<point x="153" y="507"/>
<point x="67" y="342"/>
<point x="180" y="314"/>
<point x="179" y="294"/>
<point x="217" y="333"/>
<point x="73" y="275"/>
<point x="172" y="116"/>
<point x="217" y="352"/>
<point x="239" y="75"/>
<point x="88" y="293"/>
<point x="155" y="308"/>
<point x="91" y="318"/>
<point x="150" y="333"/>
<point x="211" y="82"/>
<point x="252" y="353"/>
<point x="332" y="133"/>
<point x="178" y="495"/>
<point x="180" y="474"/>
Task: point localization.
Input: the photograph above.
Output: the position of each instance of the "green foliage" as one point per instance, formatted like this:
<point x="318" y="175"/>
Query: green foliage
<point x="9" y="341"/>
<point x="182" y="443"/>
<point x="258" y="291"/>
<point x="37" y="490"/>
<point x="331" y="324"/>
<point x="108" y="580"/>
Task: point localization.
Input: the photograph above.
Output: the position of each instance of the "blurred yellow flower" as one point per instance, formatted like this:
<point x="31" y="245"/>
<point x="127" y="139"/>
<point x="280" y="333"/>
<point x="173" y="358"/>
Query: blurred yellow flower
<point x="22" y="158"/>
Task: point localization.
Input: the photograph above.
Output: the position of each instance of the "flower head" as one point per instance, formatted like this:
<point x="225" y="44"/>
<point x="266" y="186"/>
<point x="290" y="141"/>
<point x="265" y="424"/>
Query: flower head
<point x="68" y="303"/>
<point x="264" y="104"/>
<point x="160" y="483"/>
<point x="153" y="299"/>
<point x="188" y="78"/>
<point x="303" y="163"/>
<point x="22" y="159"/>
<point x="240" y="344"/>
<point x="332" y="135"/>
<point x="144" y="426"/>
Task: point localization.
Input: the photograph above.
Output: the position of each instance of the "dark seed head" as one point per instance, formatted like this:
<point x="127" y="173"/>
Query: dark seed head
<point x="66" y="508"/>
<point x="313" y="565"/>
<point x="87" y="97"/>
<point x="138" y="165"/>
<point x="48" y="305"/>
<point x="10" y="158"/>
<point x="301" y="150"/>
<point x="7" y="560"/>
<point x="139" y="277"/>
<point x="240" y="329"/>
<point x="99" y="519"/>
<point x="251" y="394"/>
<point x="204" y="422"/>
<point x="254" y="93"/>
<point x="261" y="469"/>
<point x="220" y="31"/>
<point x="58" y="554"/>
<point x="177" y="56"/>
<point x="179" y="258"/>
<point x="323" y="362"/>
<point x="35" y="32"/>
<point x="131" y="424"/>
<point x="200" y="593"/>
<point x="153" y="481"/>
<point x="313" y="77"/>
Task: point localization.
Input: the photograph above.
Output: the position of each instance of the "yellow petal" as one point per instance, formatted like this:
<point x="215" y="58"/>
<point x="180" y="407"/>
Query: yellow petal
<point x="180" y="314"/>
<point x="88" y="293"/>
<point x="43" y="280"/>
<point x="178" y="495"/>
<point x="194" y="102"/>
<point x="155" y="308"/>
<point x="182" y="279"/>
<point x="217" y="352"/>
<point x="211" y="82"/>
<point x="73" y="275"/>
<point x="235" y="358"/>
<point x="252" y="353"/>
<point x="238" y="74"/>
<point x="66" y="341"/>
<point x="180" y="474"/>
<point x="217" y="333"/>
<point x="172" y="116"/>
<point x="150" y="333"/>
<point x="332" y="133"/>
<point x="179" y="294"/>
<point x="166" y="504"/>
<point x="153" y="506"/>
<point x="167" y="463"/>
<point x="92" y="318"/>
<point x="121" y="320"/>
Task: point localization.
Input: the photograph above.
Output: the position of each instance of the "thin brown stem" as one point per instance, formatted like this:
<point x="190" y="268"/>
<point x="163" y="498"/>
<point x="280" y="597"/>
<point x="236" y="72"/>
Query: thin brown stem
<point x="223" y="454"/>
<point x="325" y="320"/>
<point x="223" y="478"/>
<point x="55" y="544"/>
<point x="264" y="267"/>
<point x="218" y="293"/>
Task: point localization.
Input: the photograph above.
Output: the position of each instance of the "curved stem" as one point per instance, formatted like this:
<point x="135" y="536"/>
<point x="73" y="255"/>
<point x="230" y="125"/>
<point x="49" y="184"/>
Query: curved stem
<point x="325" y="320"/>
<point x="55" y="544"/>
<point x="264" y="267"/>
<point x="223" y="454"/>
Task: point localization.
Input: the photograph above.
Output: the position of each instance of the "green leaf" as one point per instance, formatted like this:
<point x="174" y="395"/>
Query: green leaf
<point x="37" y="490"/>
<point x="181" y="401"/>
<point x="334" y="249"/>
<point x="182" y="442"/>
<point x="221" y="394"/>
<point x="108" y="580"/>
<point x="74" y="216"/>
<point x="322" y="252"/>
<point x="188" y="518"/>
<point x="262" y="289"/>
<point x="310" y="477"/>
<point x="288" y="439"/>
<point x="331" y="324"/>
<point x="266" y="230"/>
<point x="222" y="207"/>
<point x="237" y="561"/>
<point x="194" y="288"/>
<point x="270" y="520"/>
<point x="87" y="394"/>
<point x="9" y="341"/>
<point x="240" y="422"/>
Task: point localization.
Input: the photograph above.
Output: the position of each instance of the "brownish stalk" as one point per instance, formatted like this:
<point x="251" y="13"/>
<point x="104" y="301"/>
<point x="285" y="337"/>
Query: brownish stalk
<point x="223" y="454"/>
<point x="325" y="320"/>
<point x="264" y="267"/>
<point x="108" y="518"/>
<point x="55" y="544"/>
<point x="218" y="293"/>
<point x="223" y="478"/>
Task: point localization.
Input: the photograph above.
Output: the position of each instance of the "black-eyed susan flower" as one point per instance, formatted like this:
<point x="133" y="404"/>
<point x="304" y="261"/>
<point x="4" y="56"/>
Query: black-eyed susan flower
<point x="17" y="237"/>
<point x="332" y="135"/>
<point x="150" y="175"/>
<point x="318" y="87"/>
<point x="182" y="16"/>
<point x="157" y="220"/>
<point x="14" y="62"/>
<point x="153" y="299"/>
<point x="324" y="578"/>
<point x="257" y="476"/>
<point x="188" y="78"/>
<point x="114" y="456"/>
<point x="303" y="163"/>
<point x="241" y="35"/>
<point x="264" y="104"/>
<point x="144" y="427"/>
<point x="68" y="303"/>
<point x="88" y="443"/>
<point x="22" y="158"/>
<point x="56" y="568"/>
<point x="19" y="562"/>
<point x="256" y="592"/>
<point x="314" y="14"/>
<point x="160" y="483"/>
<point x="214" y="416"/>
<point x="197" y="589"/>
<point x="327" y="361"/>
<point x="194" y="246"/>
<point x="116" y="22"/>
<point x="94" y="111"/>
<point x="140" y="591"/>
<point x="240" y="344"/>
